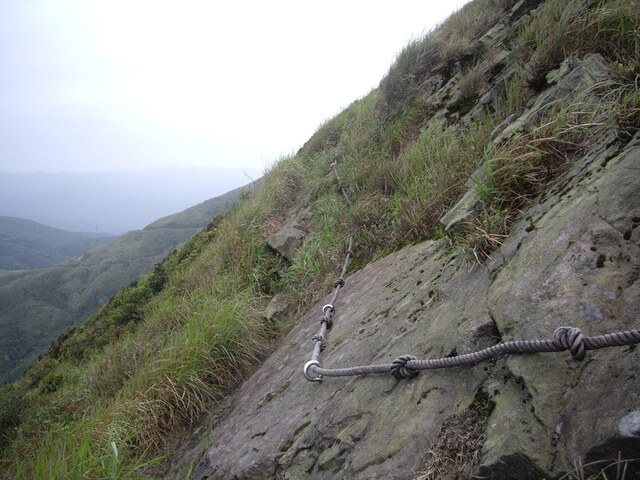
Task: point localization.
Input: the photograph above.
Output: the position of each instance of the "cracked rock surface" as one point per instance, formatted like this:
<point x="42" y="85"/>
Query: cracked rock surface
<point x="572" y="259"/>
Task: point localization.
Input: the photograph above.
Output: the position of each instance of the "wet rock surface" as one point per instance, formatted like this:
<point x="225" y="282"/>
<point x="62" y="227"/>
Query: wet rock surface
<point x="577" y="266"/>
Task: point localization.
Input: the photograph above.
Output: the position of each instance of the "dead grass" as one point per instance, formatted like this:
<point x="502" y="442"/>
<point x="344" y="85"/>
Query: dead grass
<point x="602" y="470"/>
<point x="456" y="452"/>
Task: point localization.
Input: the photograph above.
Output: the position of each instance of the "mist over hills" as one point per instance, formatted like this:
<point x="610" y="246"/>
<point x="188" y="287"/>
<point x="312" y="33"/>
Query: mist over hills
<point x="113" y="202"/>
<point x="27" y="245"/>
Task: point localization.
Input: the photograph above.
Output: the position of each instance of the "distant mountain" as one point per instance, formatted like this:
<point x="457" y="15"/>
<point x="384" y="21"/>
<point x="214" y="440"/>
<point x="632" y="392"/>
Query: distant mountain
<point x="37" y="305"/>
<point x="113" y="202"/>
<point x="27" y="245"/>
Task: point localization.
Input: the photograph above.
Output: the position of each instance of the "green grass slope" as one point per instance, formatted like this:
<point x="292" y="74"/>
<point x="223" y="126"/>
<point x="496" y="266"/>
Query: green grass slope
<point x="28" y="245"/>
<point x="141" y="370"/>
<point x="37" y="305"/>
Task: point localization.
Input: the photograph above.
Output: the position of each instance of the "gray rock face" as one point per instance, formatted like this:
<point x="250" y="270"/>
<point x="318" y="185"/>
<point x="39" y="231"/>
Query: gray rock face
<point x="535" y="414"/>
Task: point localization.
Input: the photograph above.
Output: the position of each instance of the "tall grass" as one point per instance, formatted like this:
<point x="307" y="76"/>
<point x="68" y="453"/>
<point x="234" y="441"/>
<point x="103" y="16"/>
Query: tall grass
<point x="570" y="27"/>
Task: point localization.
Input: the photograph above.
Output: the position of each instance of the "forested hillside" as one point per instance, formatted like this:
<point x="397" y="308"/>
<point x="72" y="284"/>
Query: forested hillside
<point x="27" y="245"/>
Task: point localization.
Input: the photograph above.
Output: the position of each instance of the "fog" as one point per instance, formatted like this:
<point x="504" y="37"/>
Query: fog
<point x="103" y="85"/>
<point x="113" y="202"/>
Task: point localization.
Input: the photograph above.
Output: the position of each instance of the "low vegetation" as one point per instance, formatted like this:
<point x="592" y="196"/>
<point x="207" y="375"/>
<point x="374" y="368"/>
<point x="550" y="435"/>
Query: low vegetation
<point x="113" y="396"/>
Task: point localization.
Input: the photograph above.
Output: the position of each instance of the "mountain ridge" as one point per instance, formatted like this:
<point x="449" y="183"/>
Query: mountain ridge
<point x="28" y="245"/>
<point x="106" y="200"/>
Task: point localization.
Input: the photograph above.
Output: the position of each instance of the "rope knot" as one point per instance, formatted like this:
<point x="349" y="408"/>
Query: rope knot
<point x="328" y="321"/>
<point x="338" y="283"/>
<point x="399" y="368"/>
<point x="319" y="338"/>
<point x="571" y="338"/>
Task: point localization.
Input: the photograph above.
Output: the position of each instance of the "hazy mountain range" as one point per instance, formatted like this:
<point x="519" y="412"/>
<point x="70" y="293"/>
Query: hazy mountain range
<point x="112" y="202"/>
<point x="36" y="305"/>
<point x="27" y="245"/>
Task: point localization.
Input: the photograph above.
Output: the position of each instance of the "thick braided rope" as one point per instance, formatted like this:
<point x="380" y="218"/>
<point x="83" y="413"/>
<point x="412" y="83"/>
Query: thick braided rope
<point x="564" y="338"/>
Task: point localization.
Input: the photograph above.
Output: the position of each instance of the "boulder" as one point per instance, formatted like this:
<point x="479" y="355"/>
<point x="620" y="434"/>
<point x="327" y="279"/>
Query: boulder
<point x="288" y="239"/>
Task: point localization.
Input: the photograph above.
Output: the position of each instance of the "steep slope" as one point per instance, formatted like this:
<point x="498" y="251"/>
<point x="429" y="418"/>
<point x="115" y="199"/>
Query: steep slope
<point x="37" y="305"/>
<point x="518" y="417"/>
<point x="569" y="258"/>
<point x="27" y="245"/>
<point x="492" y="182"/>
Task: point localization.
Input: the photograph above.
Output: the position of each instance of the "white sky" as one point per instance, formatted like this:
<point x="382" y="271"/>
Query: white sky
<point x="99" y="85"/>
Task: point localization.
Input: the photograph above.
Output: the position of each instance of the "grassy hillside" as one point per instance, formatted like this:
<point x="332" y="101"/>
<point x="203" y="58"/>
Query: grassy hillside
<point x="27" y="245"/>
<point x="118" y="392"/>
<point x="37" y="305"/>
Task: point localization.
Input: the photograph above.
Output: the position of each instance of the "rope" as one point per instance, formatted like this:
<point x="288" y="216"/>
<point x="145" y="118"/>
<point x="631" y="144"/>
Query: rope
<point x="564" y="338"/>
<point x="407" y="366"/>
<point x="334" y="166"/>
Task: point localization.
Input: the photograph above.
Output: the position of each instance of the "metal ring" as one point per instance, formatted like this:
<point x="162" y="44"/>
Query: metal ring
<point x="328" y="306"/>
<point x="305" y="371"/>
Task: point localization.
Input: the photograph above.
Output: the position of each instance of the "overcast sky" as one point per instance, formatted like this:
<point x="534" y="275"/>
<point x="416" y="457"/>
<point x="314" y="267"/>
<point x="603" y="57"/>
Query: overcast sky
<point x="99" y="85"/>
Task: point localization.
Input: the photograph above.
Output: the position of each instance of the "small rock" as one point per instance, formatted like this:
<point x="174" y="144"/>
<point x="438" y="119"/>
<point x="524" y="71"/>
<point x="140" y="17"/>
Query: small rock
<point x="277" y="307"/>
<point x="591" y="313"/>
<point x="467" y="208"/>
<point x="629" y="426"/>
<point x="288" y="239"/>
<point x="554" y="76"/>
<point x="522" y="7"/>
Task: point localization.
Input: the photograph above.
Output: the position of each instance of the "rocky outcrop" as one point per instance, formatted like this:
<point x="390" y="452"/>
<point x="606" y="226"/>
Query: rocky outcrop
<point x="569" y="82"/>
<point x="572" y="259"/>
<point x="277" y="307"/>
<point x="288" y="239"/>
<point x="572" y="81"/>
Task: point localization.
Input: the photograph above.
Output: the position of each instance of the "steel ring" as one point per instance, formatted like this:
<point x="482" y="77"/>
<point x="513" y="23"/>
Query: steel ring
<point x="328" y="306"/>
<point x="305" y="371"/>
